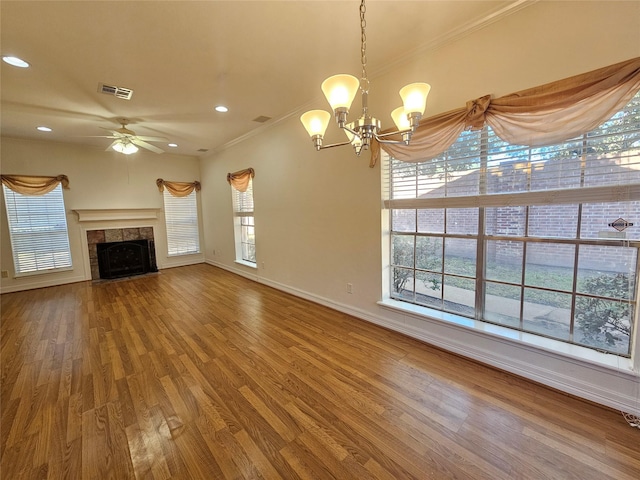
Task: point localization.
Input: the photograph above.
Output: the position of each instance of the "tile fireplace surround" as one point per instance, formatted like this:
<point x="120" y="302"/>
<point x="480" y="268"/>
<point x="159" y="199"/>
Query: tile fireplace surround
<point x="112" y="235"/>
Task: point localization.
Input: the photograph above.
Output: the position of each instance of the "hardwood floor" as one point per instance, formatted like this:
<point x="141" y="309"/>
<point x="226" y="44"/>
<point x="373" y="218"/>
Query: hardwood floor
<point x="196" y="373"/>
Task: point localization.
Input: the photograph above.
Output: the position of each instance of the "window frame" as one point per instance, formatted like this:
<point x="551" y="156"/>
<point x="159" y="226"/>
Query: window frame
<point x="244" y="225"/>
<point x="55" y="208"/>
<point x="482" y="201"/>
<point x="182" y="224"/>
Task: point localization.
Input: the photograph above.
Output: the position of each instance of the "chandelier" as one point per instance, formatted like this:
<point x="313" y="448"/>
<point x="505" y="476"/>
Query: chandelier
<point x="340" y="90"/>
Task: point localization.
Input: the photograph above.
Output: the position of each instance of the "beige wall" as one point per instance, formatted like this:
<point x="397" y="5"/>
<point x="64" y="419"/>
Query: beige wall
<point x="318" y="214"/>
<point x="98" y="180"/>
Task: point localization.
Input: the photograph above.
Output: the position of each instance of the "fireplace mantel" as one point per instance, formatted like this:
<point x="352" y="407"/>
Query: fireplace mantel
<point x="111" y="214"/>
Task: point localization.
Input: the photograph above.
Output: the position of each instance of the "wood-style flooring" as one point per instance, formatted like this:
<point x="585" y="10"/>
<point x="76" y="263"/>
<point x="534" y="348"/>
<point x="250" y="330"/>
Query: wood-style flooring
<point x="196" y="373"/>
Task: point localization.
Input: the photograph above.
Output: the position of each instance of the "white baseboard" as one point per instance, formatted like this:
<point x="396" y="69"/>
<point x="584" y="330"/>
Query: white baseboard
<point x="181" y="262"/>
<point x="40" y="282"/>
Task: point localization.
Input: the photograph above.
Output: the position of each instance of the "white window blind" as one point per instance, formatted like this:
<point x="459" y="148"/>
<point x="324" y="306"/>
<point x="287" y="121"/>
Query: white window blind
<point x="245" y="229"/>
<point x="480" y="163"/>
<point x="244" y="201"/>
<point x="181" y="217"/>
<point x="38" y="231"/>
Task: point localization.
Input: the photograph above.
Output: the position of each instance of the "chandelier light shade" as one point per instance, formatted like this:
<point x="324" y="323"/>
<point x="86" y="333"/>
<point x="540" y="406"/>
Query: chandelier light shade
<point x="316" y="123"/>
<point x="414" y="97"/>
<point x="340" y="91"/>
<point x="400" y="119"/>
<point x="354" y="140"/>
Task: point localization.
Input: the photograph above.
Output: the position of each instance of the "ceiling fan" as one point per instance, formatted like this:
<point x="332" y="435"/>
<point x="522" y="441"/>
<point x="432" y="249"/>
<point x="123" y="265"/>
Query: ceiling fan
<point x="126" y="141"/>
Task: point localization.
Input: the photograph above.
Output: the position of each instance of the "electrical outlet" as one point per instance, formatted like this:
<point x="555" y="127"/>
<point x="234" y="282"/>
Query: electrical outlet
<point x="263" y="266"/>
<point x="349" y="288"/>
<point x="5" y="274"/>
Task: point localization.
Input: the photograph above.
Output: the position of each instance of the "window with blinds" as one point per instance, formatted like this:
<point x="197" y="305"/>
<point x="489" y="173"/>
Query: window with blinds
<point x="181" y="217"/>
<point x="543" y="240"/>
<point x="38" y="231"/>
<point x="245" y="234"/>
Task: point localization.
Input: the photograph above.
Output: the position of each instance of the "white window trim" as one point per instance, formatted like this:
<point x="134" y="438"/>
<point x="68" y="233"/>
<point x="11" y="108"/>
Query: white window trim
<point x="240" y="212"/>
<point x="246" y="264"/>
<point x="555" y="347"/>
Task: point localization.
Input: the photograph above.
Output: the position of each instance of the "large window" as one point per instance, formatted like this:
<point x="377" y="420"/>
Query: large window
<point x="181" y="216"/>
<point x="245" y="234"/>
<point x="543" y="240"/>
<point x="38" y="231"/>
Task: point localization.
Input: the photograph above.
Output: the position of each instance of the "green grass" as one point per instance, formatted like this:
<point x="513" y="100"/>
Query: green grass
<point x="555" y="278"/>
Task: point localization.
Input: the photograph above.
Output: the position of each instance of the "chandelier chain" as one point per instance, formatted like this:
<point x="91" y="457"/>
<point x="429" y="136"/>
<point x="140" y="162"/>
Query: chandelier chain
<point x="364" y="81"/>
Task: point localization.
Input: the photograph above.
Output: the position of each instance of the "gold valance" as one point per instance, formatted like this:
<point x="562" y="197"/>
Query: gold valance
<point x="178" y="189"/>
<point x="240" y="179"/>
<point x="537" y="116"/>
<point x="34" y="185"/>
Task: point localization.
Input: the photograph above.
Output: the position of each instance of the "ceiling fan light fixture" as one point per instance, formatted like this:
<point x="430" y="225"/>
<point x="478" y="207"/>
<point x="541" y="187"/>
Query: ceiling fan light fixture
<point x="125" y="147"/>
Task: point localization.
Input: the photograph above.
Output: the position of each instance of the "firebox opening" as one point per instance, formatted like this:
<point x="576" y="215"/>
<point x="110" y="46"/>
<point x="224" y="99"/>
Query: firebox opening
<point x="127" y="258"/>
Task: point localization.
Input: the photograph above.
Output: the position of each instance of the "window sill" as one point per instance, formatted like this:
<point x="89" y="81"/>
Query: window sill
<point x="576" y="352"/>
<point x="42" y="272"/>
<point x="247" y="264"/>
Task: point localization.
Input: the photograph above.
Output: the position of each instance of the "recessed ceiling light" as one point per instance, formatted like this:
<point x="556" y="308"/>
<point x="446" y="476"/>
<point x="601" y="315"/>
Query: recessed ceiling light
<point x="44" y="129"/>
<point x="221" y="109"/>
<point x="173" y="145"/>
<point x="15" y="61"/>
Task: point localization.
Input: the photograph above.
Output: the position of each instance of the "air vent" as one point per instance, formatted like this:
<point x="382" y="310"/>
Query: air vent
<point x="203" y="149"/>
<point x="261" y="119"/>
<point x="124" y="93"/>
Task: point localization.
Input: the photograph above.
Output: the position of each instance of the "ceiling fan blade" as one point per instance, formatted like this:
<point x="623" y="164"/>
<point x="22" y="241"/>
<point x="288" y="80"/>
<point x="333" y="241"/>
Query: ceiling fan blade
<point x="113" y="132"/>
<point x="152" y="139"/>
<point x="148" y="146"/>
<point x="98" y="136"/>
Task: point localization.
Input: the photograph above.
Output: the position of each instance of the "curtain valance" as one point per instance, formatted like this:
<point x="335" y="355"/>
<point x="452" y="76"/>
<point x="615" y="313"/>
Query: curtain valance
<point x="178" y="189"/>
<point x="537" y="116"/>
<point x="240" y="179"/>
<point x="34" y="185"/>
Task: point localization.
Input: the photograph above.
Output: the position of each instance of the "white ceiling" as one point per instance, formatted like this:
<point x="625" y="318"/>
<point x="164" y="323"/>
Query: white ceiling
<point x="181" y="58"/>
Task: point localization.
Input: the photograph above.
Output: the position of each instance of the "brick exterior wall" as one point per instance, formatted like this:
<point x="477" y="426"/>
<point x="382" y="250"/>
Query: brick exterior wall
<point x="547" y="221"/>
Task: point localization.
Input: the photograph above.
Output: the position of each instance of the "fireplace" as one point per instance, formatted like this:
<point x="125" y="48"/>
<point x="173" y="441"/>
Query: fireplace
<point x="126" y="258"/>
<point x="136" y="246"/>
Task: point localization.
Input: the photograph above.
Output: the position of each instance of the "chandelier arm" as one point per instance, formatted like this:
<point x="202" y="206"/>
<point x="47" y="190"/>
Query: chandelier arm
<point x="334" y="145"/>
<point x="392" y="142"/>
<point x="350" y="130"/>
<point x="389" y="134"/>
